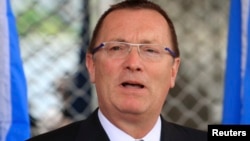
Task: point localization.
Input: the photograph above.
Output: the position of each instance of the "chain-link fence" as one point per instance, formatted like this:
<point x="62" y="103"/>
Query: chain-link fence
<point x="202" y="30"/>
<point x="53" y="33"/>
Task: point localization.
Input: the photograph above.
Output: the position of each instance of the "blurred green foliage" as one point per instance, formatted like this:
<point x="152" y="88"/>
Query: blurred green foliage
<point x="33" y="21"/>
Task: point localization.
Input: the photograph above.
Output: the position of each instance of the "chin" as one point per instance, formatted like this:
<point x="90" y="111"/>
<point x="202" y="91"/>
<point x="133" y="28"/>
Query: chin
<point x="132" y="109"/>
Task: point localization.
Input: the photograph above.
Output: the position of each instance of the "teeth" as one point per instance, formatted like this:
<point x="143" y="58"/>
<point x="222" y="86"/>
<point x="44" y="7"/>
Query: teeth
<point x="132" y="85"/>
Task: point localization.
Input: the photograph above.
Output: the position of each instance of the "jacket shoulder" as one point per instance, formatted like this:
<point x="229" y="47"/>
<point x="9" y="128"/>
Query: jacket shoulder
<point x="172" y="131"/>
<point x="64" y="133"/>
<point x="89" y="129"/>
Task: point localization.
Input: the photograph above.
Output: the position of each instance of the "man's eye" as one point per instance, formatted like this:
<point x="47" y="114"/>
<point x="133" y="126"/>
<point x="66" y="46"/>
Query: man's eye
<point x="151" y="50"/>
<point x="115" y="48"/>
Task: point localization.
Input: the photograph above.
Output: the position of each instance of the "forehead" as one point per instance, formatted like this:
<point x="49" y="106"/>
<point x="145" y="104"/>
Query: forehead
<point x="134" y="25"/>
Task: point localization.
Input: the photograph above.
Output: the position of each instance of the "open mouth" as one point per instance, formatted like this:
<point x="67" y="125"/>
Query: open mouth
<point x="132" y="85"/>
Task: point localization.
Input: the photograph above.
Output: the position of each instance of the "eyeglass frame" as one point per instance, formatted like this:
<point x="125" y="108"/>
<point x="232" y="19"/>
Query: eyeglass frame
<point x="102" y="45"/>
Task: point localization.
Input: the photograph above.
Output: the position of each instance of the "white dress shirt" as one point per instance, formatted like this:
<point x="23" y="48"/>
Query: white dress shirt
<point x="116" y="134"/>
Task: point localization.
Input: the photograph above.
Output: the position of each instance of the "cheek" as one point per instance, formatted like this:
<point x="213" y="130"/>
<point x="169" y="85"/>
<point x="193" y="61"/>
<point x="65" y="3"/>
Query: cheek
<point x="163" y="75"/>
<point x="161" y="79"/>
<point x="105" y="70"/>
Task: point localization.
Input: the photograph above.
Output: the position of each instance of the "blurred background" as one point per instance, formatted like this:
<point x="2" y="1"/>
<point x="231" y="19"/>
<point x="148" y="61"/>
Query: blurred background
<point x="55" y="34"/>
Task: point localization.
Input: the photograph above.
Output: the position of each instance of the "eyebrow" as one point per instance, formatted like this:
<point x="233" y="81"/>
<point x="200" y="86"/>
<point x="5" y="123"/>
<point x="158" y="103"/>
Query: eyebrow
<point x="144" y="41"/>
<point x="119" y="40"/>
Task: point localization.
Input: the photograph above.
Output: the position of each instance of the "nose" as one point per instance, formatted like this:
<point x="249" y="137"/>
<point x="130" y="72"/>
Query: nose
<point x="133" y="60"/>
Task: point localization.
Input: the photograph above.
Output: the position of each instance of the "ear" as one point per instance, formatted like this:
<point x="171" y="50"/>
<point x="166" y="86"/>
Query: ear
<point x="175" y="68"/>
<point x="90" y="66"/>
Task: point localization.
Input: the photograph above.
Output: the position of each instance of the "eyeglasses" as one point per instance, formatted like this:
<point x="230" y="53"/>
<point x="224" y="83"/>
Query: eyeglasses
<point x="150" y="52"/>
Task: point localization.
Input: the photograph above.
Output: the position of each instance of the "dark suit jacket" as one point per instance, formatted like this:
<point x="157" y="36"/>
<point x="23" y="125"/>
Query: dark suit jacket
<point x="92" y="130"/>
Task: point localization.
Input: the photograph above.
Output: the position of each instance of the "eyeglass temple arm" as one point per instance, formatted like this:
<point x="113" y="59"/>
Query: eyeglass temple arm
<point x="171" y="52"/>
<point x="97" y="48"/>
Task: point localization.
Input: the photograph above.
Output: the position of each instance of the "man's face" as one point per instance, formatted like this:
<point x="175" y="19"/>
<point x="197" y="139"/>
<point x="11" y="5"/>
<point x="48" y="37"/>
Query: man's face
<point x="133" y="85"/>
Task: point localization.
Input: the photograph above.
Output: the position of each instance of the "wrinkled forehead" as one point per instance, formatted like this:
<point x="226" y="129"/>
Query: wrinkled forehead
<point x="135" y="25"/>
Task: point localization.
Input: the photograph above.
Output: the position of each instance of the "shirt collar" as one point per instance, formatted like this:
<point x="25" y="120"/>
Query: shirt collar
<point x="116" y="134"/>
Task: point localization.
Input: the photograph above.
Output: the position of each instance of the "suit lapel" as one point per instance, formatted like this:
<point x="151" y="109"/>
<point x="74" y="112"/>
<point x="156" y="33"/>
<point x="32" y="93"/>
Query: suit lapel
<point x="92" y="130"/>
<point x="167" y="132"/>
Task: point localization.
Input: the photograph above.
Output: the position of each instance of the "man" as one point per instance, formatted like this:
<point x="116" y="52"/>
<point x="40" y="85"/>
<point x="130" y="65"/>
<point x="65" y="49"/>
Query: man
<point x="133" y="60"/>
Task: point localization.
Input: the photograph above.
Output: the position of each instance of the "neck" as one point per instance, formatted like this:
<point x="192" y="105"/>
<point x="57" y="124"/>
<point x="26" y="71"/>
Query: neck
<point x="136" y="126"/>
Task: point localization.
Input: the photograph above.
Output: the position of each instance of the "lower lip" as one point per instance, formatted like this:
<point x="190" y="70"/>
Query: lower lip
<point x="131" y="89"/>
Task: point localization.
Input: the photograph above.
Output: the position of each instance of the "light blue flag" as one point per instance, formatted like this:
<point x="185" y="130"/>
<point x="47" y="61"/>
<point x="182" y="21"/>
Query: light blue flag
<point x="14" y="118"/>
<point x="236" y="104"/>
